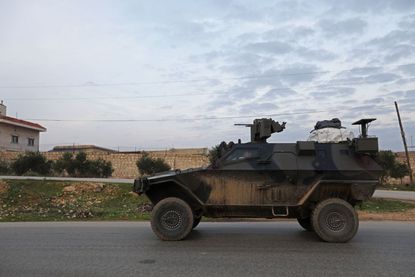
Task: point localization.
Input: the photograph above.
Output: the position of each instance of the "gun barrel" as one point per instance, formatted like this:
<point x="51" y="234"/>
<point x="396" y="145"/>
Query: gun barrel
<point x="243" y="124"/>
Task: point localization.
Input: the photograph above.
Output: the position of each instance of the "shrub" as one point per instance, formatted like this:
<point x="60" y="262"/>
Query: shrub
<point x="80" y="166"/>
<point x="100" y="168"/>
<point x="64" y="163"/>
<point x="149" y="166"/>
<point x="32" y="161"/>
<point x="399" y="171"/>
<point x="214" y="154"/>
<point x="391" y="167"/>
<point x="5" y="168"/>
<point x="217" y="151"/>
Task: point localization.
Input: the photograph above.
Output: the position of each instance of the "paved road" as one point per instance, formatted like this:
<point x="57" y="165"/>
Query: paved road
<point x="401" y="195"/>
<point x="393" y="194"/>
<point x="213" y="249"/>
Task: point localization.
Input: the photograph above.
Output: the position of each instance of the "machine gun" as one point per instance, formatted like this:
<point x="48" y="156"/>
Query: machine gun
<point x="262" y="128"/>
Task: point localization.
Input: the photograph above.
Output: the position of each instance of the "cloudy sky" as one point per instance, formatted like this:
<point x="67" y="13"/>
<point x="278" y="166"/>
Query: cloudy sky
<point x="163" y="74"/>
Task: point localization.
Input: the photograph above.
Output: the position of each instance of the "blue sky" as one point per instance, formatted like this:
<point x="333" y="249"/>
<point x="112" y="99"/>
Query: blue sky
<point x="164" y="64"/>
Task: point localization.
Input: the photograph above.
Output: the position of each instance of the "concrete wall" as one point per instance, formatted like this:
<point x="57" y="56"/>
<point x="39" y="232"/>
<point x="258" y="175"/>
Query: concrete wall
<point x="6" y="131"/>
<point x="124" y="164"/>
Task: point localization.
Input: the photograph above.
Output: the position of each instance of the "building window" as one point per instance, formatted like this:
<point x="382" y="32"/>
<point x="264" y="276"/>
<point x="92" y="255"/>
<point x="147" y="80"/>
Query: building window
<point x="31" y="141"/>
<point x="15" y="139"/>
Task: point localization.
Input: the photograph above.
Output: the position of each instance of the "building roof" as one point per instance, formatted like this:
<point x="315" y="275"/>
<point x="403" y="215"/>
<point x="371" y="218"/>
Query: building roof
<point x="21" y="123"/>
<point x="79" y="148"/>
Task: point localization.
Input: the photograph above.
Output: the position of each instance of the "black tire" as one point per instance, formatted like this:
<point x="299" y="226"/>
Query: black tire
<point x="172" y="219"/>
<point x="306" y="223"/>
<point x="335" y="220"/>
<point x="196" y="221"/>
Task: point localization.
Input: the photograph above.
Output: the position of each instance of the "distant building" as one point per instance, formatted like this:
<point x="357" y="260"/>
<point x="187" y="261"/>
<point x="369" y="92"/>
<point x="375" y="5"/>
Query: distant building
<point x="18" y="135"/>
<point x="81" y="148"/>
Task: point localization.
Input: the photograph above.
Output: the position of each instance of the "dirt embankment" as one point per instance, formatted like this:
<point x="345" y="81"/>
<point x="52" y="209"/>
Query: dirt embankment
<point x="4" y="187"/>
<point x="408" y="215"/>
<point x="60" y="201"/>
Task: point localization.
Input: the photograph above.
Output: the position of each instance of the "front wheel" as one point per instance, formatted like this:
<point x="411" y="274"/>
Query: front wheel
<point x="305" y="223"/>
<point x="335" y="220"/>
<point x="196" y="221"/>
<point x="172" y="219"/>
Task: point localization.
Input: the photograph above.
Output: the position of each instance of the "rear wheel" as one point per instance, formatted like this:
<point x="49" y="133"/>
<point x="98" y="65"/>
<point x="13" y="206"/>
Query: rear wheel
<point x="305" y="223"/>
<point x="335" y="220"/>
<point x="172" y="219"/>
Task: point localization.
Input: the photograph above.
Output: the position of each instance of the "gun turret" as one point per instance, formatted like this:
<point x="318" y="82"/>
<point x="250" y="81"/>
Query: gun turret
<point x="262" y="128"/>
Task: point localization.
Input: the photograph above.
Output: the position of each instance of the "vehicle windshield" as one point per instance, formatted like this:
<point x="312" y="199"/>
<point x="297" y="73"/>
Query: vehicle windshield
<point x="240" y="154"/>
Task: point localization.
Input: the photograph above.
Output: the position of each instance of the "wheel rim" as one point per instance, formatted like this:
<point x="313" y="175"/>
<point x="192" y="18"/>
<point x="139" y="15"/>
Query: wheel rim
<point x="335" y="221"/>
<point x="171" y="220"/>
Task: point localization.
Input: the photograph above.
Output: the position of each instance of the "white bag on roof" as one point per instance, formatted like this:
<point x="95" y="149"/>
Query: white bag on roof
<point x="327" y="135"/>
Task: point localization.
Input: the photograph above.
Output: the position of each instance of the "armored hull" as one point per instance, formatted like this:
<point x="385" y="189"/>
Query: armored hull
<point x="269" y="180"/>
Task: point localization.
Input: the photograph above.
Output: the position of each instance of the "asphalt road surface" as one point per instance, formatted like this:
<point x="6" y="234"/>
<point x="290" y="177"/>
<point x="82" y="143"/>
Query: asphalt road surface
<point x="393" y="194"/>
<point x="213" y="249"/>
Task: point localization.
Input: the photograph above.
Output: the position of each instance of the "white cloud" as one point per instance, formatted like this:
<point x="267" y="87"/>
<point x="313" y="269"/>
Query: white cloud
<point x="362" y="51"/>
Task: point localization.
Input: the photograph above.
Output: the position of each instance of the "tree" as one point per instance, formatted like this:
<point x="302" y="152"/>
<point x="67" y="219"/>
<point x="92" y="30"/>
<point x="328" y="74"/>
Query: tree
<point x="217" y="151"/>
<point x="4" y="167"/>
<point x="149" y="166"/>
<point x="391" y="167"/>
<point x="214" y="154"/>
<point x="399" y="171"/>
<point x="65" y="163"/>
<point x="32" y="162"/>
<point x="387" y="160"/>
<point x="80" y="166"/>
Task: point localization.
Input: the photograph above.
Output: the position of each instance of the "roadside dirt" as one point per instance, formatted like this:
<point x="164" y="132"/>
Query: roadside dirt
<point x="4" y="187"/>
<point x="408" y="215"/>
<point x="78" y="188"/>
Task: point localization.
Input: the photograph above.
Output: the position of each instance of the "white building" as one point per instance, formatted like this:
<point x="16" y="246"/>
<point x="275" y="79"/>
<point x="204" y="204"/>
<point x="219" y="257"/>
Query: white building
<point x="16" y="134"/>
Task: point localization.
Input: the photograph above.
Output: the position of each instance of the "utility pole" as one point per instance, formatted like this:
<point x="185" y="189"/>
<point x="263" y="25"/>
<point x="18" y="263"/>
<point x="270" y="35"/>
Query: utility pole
<point x="404" y="144"/>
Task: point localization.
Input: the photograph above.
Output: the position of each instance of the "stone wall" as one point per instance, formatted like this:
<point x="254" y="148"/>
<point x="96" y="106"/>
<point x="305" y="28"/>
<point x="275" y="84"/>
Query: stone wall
<point x="400" y="156"/>
<point x="124" y="163"/>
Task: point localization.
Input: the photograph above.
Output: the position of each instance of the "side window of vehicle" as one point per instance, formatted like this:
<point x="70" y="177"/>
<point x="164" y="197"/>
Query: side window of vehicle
<point x="241" y="154"/>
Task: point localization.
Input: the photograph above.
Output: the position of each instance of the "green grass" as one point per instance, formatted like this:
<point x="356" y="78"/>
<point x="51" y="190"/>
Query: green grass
<point x="46" y="201"/>
<point x="383" y="206"/>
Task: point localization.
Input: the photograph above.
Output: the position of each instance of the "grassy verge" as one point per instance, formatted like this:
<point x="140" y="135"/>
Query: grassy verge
<point x="385" y="206"/>
<point x="30" y="200"/>
<point x="64" y="201"/>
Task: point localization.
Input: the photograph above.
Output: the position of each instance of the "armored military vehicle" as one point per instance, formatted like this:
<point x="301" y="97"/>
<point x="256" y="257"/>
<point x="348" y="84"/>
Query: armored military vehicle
<point x="318" y="183"/>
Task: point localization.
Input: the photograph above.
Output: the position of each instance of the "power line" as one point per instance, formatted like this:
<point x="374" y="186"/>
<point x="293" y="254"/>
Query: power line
<point x="121" y="97"/>
<point x="93" y="84"/>
<point x="113" y="97"/>
<point x="115" y="84"/>
<point x="181" y="119"/>
<point x="329" y="86"/>
<point x="167" y="119"/>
